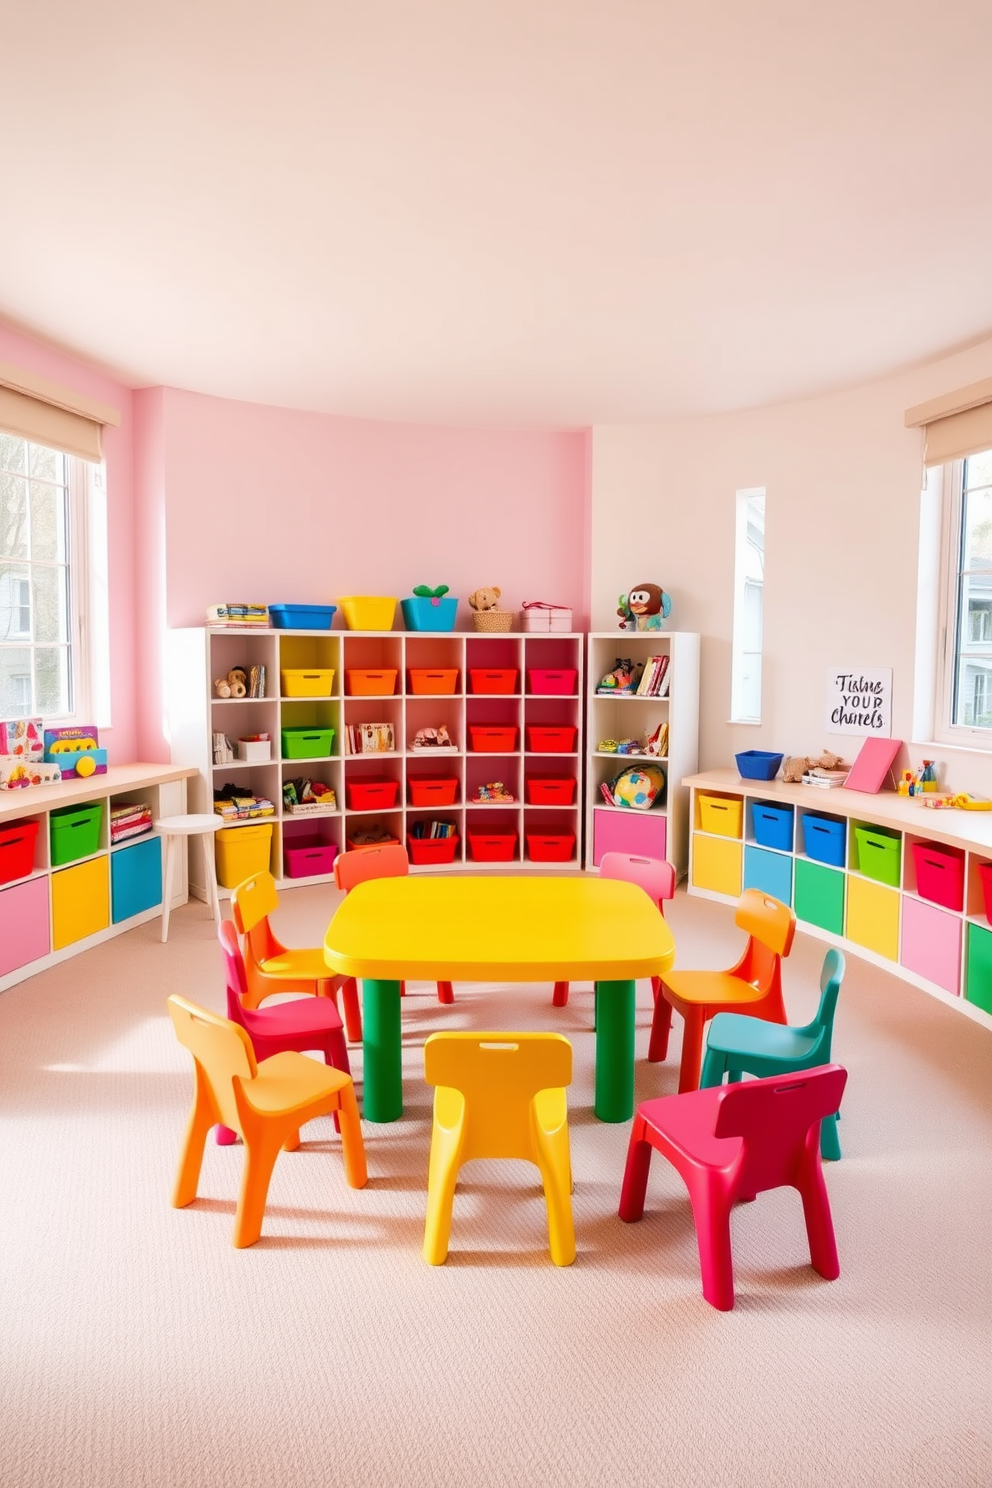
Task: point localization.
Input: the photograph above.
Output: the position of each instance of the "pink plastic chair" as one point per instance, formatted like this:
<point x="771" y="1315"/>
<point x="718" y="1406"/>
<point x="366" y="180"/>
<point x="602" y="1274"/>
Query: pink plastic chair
<point x="306" y="1023"/>
<point x="730" y="1143"/>
<point x="653" y="875"/>
<point x="389" y="861"/>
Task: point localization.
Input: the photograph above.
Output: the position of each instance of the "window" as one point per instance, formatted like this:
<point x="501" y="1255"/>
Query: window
<point x="964" y="692"/>
<point x="749" y="582"/>
<point x="42" y="580"/>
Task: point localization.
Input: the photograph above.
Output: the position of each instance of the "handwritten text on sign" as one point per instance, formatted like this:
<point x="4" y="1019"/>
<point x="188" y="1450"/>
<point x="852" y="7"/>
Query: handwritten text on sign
<point x="860" y="701"/>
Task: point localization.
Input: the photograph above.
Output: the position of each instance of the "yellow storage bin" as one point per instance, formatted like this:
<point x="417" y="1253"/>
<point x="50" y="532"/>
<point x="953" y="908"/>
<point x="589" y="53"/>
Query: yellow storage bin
<point x="721" y="814"/>
<point x="368" y="611"/>
<point x="80" y="902"/>
<point x="717" y="865"/>
<point x="242" y="851"/>
<point x="873" y="916"/>
<point x="309" y="684"/>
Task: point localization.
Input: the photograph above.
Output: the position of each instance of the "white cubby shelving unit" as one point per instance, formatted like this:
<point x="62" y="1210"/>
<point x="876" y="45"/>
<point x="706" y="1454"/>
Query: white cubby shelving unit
<point x="662" y="832"/>
<point x="198" y="655"/>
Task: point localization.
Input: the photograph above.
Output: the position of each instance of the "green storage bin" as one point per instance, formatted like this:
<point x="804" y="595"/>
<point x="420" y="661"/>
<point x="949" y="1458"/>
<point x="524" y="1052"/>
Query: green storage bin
<point x="75" y="832"/>
<point x="878" y="855"/>
<point x="978" y="976"/>
<point x="820" y="896"/>
<point x="306" y="743"/>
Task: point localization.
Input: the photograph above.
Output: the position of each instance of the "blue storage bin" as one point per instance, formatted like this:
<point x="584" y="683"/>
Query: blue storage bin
<point x="768" y="871"/>
<point x="302" y="617"/>
<point x="823" y="839"/>
<point x="420" y="613"/>
<point x="773" y="825"/>
<point x="136" y="878"/>
<point x="757" y="764"/>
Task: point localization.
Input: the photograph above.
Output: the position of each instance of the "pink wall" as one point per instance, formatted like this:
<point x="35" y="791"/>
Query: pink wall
<point x="82" y="377"/>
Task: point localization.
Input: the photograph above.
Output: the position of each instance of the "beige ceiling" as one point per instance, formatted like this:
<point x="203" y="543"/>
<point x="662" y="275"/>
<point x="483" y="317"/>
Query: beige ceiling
<point x="552" y="212"/>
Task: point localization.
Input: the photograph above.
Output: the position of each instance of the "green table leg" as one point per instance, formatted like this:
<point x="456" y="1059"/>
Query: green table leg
<point x="614" y="1051"/>
<point x="383" y="1058"/>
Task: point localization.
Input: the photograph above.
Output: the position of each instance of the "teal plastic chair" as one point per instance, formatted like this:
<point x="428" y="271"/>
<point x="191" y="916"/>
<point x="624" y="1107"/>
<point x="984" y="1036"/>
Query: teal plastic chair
<point x="738" y="1045"/>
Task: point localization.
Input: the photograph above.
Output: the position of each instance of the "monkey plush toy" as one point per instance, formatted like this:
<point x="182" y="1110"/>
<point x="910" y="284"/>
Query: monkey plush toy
<point x="646" y="607"/>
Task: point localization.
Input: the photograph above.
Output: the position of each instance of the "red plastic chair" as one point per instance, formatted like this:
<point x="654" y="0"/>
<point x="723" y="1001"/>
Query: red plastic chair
<point x="389" y="861"/>
<point x="730" y="1143"/>
<point x="753" y="986"/>
<point x="653" y="875"/>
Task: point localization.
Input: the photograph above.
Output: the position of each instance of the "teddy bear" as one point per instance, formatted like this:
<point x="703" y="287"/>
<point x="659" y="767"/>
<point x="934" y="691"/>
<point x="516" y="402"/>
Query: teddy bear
<point x="485" y="599"/>
<point x="234" y="685"/>
<point x="796" y="766"/>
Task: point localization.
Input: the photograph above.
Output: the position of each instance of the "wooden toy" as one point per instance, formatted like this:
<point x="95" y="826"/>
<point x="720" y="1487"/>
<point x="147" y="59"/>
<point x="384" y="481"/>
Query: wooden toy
<point x="76" y="751"/>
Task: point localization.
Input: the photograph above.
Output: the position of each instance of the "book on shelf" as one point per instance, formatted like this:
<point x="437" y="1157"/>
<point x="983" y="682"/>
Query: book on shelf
<point x="237" y="615"/>
<point x="256" y="682"/>
<point x="371" y="738"/>
<point x="654" y="677"/>
<point x="825" y="780"/>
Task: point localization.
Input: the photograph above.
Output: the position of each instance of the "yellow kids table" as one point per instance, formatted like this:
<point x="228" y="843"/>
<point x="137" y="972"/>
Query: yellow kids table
<point x="435" y="928"/>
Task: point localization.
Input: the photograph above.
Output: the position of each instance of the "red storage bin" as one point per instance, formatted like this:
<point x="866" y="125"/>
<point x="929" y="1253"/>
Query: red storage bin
<point x="492" y="739"/>
<point x="493" y="679"/>
<point x="985" y="874"/>
<point x="17" y="840"/>
<point x="557" y="740"/>
<point x="433" y="792"/>
<point x="940" y="874"/>
<point x="550" y="847"/>
<point x="559" y="683"/>
<point x="374" y="793"/>
<point x="492" y="847"/>
<point x="425" y="850"/>
<point x="306" y="856"/>
<point x="550" y="790"/>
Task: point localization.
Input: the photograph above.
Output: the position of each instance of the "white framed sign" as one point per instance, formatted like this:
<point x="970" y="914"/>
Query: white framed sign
<point x="859" y="701"/>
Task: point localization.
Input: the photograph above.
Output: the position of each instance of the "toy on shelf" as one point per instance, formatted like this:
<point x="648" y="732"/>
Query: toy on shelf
<point x="619" y="681"/>
<point x="917" y="782"/>
<point x="24" y="737"/>
<point x="429" y="609"/>
<point x="825" y="770"/>
<point x="645" y="607"/>
<point x="654" y="746"/>
<point x="488" y="615"/>
<point x="234" y="685"/>
<point x="76" y="751"/>
<point x="429" y="738"/>
<point x="638" y="787"/>
<point x="493" y="794"/>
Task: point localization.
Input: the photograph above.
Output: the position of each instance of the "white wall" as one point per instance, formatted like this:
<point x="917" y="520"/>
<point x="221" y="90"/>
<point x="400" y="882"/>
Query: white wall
<point x="843" y="477"/>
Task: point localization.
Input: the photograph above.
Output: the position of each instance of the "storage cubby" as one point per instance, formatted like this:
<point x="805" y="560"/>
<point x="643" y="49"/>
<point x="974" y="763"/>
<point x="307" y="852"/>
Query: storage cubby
<point x="428" y="682"/>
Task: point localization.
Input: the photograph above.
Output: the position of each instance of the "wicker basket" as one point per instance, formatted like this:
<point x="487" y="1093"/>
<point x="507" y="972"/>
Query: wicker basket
<point x="494" y="619"/>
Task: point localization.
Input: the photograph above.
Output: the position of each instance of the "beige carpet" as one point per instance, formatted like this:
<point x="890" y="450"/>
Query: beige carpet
<point x="139" y="1348"/>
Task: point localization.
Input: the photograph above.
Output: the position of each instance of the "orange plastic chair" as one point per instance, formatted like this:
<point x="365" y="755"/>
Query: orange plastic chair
<point x="753" y="986"/>
<point x="265" y="1102"/>
<point x="272" y="967"/>
<point x="499" y="1095"/>
<point x="653" y="875"/>
<point x="389" y="861"/>
<point x="730" y="1143"/>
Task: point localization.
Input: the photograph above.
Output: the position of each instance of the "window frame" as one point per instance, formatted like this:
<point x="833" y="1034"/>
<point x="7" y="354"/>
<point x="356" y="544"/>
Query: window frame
<point x="738" y="651"/>
<point x="945" y="730"/>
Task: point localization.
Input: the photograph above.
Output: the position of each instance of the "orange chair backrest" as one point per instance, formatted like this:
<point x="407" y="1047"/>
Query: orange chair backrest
<point x="251" y="904"/>
<point x="778" y="1119"/>
<point x="362" y="863"/>
<point x="653" y="875"/>
<point x="767" y="920"/>
<point x="498" y="1074"/>
<point x="222" y="1050"/>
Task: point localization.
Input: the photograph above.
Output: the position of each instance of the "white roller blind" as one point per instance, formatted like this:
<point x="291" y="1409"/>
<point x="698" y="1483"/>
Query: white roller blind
<point x="955" y="425"/>
<point x="55" y="416"/>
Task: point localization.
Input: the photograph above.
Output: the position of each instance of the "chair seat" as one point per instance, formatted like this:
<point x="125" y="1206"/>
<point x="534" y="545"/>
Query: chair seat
<point x="711" y="988"/>
<point x="736" y="1033"/>
<point x="316" y="1015"/>
<point x="303" y="965"/>
<point x="292" y="1082"/>
<point x="684" y="1124"/>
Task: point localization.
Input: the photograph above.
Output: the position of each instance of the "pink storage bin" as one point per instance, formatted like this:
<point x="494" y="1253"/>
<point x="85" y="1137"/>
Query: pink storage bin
<point x="309" y="856"/>
<point x="559" y="683"/>
<point x="931" y="944"/>
<point x="940" y="874"/>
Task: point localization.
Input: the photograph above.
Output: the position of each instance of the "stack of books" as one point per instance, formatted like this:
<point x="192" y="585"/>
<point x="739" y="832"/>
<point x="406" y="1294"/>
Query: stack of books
<point x="132" y="820"/>
<point x="243" y="808"/>
<point x="239" y="615"/>
<point x="371" y="738"/>
<point x="422" y="829"/>
<point x="825" y="779"/>
<point x="655" y="680"/>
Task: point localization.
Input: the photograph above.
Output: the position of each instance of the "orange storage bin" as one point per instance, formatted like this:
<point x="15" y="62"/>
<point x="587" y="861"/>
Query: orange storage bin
<point x="493" y="739"/>
<point x="374" y="793"/>
<point x="433" y="792"/>
<point x="437" y="681"/>
<point x="361" y="682"/>
<point x="550" y="847"/>
<point x="493" y="679"/>
<point x="550" y="790"/>
<point x="492" y="847"/>
<point x="557" y="740"/>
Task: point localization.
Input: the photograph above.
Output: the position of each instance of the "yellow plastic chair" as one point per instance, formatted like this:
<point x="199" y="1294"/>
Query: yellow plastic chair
<point x="272" y="967"/>
<point x="265" y="1103"/>
<point x="499" y="1095"/>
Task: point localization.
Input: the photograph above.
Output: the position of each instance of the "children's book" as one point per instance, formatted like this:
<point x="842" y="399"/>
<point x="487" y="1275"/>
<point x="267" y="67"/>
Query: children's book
<point x="873" y="767"/>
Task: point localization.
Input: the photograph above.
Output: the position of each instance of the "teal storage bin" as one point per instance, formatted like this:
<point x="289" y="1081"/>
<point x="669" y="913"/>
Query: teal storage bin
<point x="306" y="743"/>
<point x="878" y="855"/>
<point x="429" y="614"/>
<point x="771" y="872"/>
<point x="135" y="879"/>
<point x="75" y="832"/>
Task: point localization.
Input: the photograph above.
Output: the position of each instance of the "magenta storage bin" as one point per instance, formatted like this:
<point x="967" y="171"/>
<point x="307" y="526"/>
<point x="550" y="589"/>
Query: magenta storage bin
<point x="308" y="856"/>
<point x="940" y="874"/>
